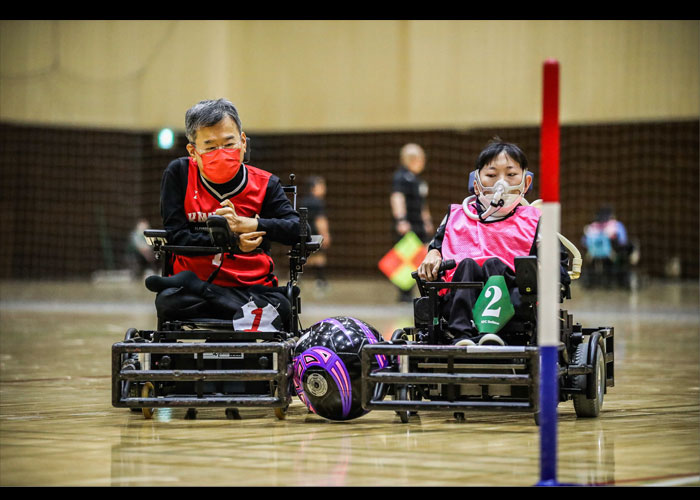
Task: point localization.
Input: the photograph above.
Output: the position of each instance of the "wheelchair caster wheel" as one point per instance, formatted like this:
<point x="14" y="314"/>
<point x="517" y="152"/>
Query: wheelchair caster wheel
<point x="233" y="414"/>
<point x="147" y="392"/>
<point x="402" y="395"/>
<point x="281" y="413"/>
<point x="404" y="416"/>
<point x="191" y="414"/>
<point x="459" y="416"/>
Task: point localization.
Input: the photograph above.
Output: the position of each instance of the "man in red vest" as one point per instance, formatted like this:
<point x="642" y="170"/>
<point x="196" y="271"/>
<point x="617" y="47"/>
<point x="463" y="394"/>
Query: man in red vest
<point x="213" y="179"/>
<point x="484" y="234"/>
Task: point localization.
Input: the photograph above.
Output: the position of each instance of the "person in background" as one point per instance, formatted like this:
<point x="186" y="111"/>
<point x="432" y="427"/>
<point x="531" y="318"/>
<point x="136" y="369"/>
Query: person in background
<point x="409" y="195"/>
<point x="140" y="257"/>
<point x="608" y="250"/>
<point x="315" y="202"/>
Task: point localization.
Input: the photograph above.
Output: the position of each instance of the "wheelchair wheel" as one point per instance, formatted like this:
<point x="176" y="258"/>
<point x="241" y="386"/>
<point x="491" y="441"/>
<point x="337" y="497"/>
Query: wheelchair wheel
<point x="281" y="411"/>
<point x="402" y="394"/>
<point x="406" y="393"/>
<point x="233" y="414"/>
<point x="398" y="334"/>
<point x="585" y="407"/>
<point x="147" y="391"/>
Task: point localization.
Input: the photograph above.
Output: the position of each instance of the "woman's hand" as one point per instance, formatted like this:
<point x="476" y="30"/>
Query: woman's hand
<point x="428" y="269"/>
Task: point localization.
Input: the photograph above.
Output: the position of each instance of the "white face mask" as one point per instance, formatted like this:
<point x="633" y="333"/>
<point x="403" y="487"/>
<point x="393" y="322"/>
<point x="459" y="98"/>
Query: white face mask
<point x="500" y="199"/>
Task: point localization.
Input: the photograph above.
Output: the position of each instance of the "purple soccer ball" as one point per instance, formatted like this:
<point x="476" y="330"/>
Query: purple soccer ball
<point x="328" y="368"/>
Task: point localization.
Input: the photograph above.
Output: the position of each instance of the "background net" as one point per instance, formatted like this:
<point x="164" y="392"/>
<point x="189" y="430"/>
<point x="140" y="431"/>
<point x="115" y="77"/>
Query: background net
<point x="70" y="197"/>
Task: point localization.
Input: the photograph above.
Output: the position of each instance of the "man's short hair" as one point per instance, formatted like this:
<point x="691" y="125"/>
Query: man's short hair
<point x="411" y="149"/>
<point x="209" y="113"/>
<point x="495" y="148"/>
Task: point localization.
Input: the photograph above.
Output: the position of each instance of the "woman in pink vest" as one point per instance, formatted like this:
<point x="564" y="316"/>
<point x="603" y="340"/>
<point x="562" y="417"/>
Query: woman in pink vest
<point x="483" y="235"/>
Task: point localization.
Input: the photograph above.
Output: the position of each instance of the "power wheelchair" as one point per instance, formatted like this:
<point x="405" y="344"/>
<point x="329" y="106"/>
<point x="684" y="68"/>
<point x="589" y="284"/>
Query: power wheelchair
<point x="206" y="362"/>
<point x="428" y="373"/>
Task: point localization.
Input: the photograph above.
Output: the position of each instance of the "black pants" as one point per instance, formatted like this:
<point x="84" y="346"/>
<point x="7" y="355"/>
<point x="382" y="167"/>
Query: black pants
<point x="459" y="303"/>
<point x="185" y="296"/>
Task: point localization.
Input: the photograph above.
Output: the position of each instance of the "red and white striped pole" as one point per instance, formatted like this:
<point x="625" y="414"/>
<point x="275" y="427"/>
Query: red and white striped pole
<point x="548" y="277"/>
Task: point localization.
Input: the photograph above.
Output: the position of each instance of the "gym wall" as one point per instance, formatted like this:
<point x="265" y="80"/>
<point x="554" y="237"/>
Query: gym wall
<point x="80" y="102"/>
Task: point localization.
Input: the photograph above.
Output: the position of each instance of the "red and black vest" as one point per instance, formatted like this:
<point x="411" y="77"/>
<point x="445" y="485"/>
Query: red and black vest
<point x="239" y="270"/>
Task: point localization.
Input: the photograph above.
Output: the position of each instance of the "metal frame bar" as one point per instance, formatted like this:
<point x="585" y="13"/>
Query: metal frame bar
<point x="281" y="375"/>
<point x="452" y="375"/>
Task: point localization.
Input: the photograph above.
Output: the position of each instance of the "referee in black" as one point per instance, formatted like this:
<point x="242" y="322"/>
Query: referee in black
<point x="409" y="194"/>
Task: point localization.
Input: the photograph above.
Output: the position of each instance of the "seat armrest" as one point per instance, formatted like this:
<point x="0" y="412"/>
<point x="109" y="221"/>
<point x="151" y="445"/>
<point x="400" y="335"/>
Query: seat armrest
<point x="156" y="236"/>
<point x="314" y="244"/>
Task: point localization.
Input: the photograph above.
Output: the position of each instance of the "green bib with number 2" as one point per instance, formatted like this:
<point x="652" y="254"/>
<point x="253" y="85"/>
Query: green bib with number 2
<point x="493" y="308"/>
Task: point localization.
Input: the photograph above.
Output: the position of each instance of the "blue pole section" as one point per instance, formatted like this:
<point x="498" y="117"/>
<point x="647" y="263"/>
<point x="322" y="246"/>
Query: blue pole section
<point x="549" y="399"/>
<point x="548" y="334"/>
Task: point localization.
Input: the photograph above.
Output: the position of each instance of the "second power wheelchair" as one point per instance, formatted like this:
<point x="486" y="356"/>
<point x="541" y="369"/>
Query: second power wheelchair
<point x="429" y="373"/>
<point x="204" y="362"/>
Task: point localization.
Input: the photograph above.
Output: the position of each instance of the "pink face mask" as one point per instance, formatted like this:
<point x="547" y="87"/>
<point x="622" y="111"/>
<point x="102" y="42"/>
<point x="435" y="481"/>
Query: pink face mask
<point x="221" y="165"/>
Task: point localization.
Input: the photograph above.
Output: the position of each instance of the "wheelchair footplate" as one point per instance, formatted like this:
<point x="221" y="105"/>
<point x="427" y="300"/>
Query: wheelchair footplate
<point x="200" y="367"/>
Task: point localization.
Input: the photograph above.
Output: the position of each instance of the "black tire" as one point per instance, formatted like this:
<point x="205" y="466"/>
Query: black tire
<point x="397" y="334"/>
<point x="130" y="333"/>
<point x="234" y="414"/>
<point x="280" y="411"/>
<point x="585" y="407"/>
<point x="402" y="394"/>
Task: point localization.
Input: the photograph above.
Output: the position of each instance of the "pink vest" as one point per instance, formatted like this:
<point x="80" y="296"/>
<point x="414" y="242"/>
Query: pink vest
<point x="466" y="238"/>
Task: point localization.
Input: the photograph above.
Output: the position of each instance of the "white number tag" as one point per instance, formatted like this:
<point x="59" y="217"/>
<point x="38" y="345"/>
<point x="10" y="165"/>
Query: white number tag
<point x="497" y="294"/>
<point x="256" y="319"/>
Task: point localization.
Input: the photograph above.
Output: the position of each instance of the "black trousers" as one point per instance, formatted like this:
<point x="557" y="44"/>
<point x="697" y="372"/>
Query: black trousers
<point x="458" y="304"/>
<point x="185" y="296"/>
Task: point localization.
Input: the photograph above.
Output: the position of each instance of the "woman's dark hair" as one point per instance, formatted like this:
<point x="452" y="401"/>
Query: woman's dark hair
<point x="495" y="148"/>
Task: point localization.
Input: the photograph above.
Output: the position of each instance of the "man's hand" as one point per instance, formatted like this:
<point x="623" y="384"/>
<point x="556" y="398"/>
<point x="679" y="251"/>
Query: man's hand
<point x="428" y="269"/>
<point x="237" y="223"/>
<point x="398" y="210"/>
<point x="403" y="227"/>
<point x="250" y="241"/>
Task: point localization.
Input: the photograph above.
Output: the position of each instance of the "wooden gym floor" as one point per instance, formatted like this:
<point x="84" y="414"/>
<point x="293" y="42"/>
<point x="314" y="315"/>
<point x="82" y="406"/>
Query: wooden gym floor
<point x="58" y="428"/>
